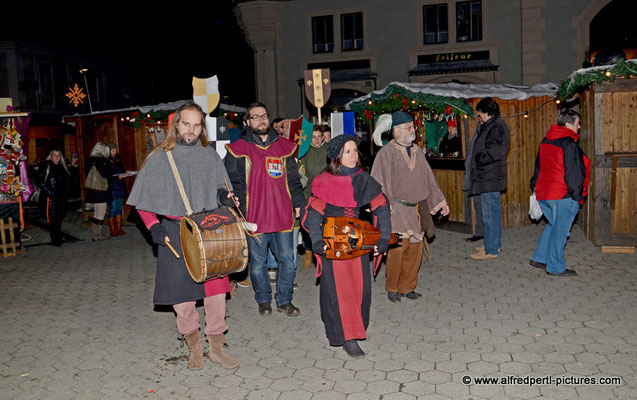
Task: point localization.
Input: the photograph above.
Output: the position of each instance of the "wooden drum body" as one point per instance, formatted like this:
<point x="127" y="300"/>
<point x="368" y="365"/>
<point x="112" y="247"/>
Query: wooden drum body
<point x="348" y="237"/>
<point x="213" y="243"/>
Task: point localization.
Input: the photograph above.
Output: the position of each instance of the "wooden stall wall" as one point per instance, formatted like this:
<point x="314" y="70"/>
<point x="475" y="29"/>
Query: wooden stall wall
<point x="526" y="134"/>
<point x="609" y="114"/>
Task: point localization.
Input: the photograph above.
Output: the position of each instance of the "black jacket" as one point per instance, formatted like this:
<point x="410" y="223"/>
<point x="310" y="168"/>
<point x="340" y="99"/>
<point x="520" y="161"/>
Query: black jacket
<point x="488" y="158"/>
<point x="54" y="182"/>
<point x="236" y="169"/>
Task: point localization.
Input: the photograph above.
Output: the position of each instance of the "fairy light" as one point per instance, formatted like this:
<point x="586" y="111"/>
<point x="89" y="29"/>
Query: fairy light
<point x="608" y="73"/>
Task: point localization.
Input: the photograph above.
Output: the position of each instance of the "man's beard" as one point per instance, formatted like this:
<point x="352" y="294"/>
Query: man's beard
<point x="260" y="132"/>
<point x="182" y="141"/>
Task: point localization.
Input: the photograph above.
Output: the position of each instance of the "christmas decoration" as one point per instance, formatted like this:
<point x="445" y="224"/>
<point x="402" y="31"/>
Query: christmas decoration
<point x="76" y="95"/>
<point x="400" y="98"/>
<point x="10" y="158"/>
<point x="579" y="80"/>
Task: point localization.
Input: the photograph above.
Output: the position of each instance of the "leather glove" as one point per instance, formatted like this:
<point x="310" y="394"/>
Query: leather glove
<point x="222" y="198"/>
<point x="318" y="247"/>
<point x="158" y="234"/>
<point x="382" y="245"/>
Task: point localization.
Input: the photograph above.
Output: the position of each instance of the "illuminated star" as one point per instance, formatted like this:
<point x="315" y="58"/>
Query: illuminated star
<point x="76" y="95"/>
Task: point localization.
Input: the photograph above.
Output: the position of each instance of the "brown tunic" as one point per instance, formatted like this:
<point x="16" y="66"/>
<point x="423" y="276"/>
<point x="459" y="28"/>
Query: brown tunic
<point x="410" y="179"/>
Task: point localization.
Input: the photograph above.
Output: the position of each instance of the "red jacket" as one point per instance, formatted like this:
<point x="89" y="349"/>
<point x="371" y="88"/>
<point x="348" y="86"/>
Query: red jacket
<point x="562" y="170"/>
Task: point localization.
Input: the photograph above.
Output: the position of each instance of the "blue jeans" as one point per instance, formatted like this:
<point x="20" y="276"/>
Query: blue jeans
<point x="283" y="250"/>
<point x="492" y="220"/>
<point x="550" y="250"/>
<point x="271" y="262"/>
<point x="115" y="208"/>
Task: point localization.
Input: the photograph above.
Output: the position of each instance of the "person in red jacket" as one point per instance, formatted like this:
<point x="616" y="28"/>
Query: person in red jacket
<point x="560" y="182"/>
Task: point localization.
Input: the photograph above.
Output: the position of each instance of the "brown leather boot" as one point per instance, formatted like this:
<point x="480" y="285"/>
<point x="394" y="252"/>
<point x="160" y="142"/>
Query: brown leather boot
<point x="307" y="261"/>
<point x="195" y="360"/>
<point x="216" y="353"/>
<point x="96" y="229"/>
<point x="112" y="227"/>
<point x="118" y="225"/>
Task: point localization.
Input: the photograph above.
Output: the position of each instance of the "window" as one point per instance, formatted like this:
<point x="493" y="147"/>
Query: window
<point x="434" y="19"/>
<point x="323" y="34"/>
<point x="468" y="21"/>
<point x="352" y="31"/>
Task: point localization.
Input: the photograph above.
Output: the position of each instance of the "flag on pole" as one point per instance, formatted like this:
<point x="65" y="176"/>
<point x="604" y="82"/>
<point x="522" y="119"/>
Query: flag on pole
<point x="301" y="134"/>
<point x="205" y="92"/>
<point x="218" y="134"/>
<point x="343" y="124"/>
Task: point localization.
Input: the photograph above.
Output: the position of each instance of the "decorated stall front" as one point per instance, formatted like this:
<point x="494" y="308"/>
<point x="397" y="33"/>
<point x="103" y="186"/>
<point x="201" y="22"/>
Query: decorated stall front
<point x="529" y="112"/>
<point x="608" y="104"/>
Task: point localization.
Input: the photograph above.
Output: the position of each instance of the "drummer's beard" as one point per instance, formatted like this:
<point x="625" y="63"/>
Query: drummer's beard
<point x="181" y="140"/>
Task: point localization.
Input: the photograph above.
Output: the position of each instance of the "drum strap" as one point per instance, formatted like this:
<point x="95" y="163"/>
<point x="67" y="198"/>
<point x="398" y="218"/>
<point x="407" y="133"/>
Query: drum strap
<point x="180" y="185"/>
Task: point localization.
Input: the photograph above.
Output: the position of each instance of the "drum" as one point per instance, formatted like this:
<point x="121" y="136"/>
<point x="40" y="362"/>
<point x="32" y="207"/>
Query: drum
<point x="213" y="243"/>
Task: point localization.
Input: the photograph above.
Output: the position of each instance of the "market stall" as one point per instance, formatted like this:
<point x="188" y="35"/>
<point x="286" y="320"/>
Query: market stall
<point x="608" y="100"/>
<point x="14" y="183"/>
<point x="529" y="112"/>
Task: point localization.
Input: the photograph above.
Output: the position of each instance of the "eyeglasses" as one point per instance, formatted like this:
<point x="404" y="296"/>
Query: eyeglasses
<point x="262" y="117"/>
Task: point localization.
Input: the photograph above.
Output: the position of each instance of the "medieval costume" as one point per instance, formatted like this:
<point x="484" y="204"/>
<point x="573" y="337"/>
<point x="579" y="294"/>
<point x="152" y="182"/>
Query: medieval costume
<point x="266" y="180"/>
<point x="156" y="192"/>
<point x="345" y="292"/>
<point x="407" y="180"/>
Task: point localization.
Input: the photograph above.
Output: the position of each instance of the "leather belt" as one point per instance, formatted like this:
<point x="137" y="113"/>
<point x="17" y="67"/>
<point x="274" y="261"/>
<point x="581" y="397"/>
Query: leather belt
<point x="406" y="203"/>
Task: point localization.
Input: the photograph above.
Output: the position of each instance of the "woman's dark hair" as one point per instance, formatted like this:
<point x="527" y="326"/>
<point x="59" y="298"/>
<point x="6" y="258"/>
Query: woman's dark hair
<point x="489" y="107"/>
<point x="335" y="165"/>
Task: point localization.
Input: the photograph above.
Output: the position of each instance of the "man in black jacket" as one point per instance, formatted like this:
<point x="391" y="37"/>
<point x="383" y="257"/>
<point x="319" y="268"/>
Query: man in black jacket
<point x="266" y="179"/>
<point x="489" y="174"/>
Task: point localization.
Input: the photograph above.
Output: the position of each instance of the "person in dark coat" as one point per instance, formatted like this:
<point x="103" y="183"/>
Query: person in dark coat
<point x="116" y="191"/>
<point x="489" y="174"/>
<point x="55" y="181"/>
<point x="98" y="198"/>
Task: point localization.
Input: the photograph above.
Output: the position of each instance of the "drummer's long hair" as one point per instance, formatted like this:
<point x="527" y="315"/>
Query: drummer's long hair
<point x="173" y="134"/>
<point x="171" y="137"/>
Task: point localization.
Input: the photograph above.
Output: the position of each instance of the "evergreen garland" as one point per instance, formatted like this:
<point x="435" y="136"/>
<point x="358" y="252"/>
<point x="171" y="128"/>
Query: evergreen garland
<point x="579" y="80"/>
<point x="399" y="98"/>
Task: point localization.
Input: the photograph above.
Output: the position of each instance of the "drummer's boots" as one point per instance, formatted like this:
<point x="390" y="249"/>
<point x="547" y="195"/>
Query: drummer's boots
<point x="216" y="353"/>
<point x="193" y="340"/>
<point x="118" y="225"/>
<point x="96" y="229"/>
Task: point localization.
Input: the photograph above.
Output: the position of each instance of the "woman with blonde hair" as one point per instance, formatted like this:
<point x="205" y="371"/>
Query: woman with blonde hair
<point x="98" y="159"/>
<point x="55" y="181"/>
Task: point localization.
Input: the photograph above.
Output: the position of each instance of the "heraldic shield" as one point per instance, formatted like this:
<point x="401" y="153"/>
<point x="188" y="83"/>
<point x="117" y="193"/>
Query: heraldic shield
<point x="318" y="86"/>
<point x="301" y="134"/>
<point x="205" y="92"/>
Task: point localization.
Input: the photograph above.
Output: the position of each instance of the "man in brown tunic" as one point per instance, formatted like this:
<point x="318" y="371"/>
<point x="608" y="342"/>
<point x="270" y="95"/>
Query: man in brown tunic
<point x="402" y="169"/>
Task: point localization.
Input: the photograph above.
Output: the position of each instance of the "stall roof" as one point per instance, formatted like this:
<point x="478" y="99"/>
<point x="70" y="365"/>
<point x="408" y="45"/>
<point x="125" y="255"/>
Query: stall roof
<point x="156" y="107"/>
<point x="467" y="90"/>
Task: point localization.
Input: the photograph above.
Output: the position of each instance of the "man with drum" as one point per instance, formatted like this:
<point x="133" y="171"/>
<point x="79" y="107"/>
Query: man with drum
<point x="266" y="179"/>
<point x="157" y="192"/>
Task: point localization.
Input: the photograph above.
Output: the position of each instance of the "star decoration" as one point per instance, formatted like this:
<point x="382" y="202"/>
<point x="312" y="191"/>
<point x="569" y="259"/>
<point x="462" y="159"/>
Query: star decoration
<point x="76" y="95"/>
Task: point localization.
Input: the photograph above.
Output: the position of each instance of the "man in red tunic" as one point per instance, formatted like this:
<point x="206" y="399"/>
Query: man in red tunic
<point x="266" y="179"/>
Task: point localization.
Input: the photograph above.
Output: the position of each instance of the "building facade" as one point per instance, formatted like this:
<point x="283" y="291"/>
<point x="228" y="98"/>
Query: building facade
<point x="369" y="43"/>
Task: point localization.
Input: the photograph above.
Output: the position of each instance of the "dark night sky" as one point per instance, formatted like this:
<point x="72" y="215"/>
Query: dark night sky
<point x="170" y="44"/>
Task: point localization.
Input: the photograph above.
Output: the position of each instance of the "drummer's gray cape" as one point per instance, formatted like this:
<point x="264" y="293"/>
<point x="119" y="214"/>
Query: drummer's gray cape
<point x="202" y="173"/>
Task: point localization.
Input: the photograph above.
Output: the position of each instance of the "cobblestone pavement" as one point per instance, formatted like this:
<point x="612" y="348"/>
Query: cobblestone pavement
<point x="77" y="322"/>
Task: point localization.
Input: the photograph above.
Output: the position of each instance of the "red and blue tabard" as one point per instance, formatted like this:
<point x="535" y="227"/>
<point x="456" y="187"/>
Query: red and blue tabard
<point x="268" y="200"/>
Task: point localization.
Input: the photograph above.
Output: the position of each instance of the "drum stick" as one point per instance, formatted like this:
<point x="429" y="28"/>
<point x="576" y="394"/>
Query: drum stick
<point x="240" y="213"/>
<point x="171" y="248"/>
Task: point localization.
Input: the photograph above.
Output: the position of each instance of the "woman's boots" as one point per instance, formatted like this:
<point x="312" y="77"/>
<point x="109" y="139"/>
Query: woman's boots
<point x="96" y="229"/>
<point x="115" y="226"/>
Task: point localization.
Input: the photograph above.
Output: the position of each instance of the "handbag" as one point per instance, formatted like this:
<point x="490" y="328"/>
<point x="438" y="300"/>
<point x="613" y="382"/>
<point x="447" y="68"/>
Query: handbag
<point x="95" y="181"/>
<point x="535" y="212"/>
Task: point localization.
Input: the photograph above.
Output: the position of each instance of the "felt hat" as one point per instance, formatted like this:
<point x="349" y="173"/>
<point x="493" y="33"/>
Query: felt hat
<point x="452" y="122"/>
<point x="337" y="143"/>
<point x="400" y="117"/>
<point x="388" y="121"/>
